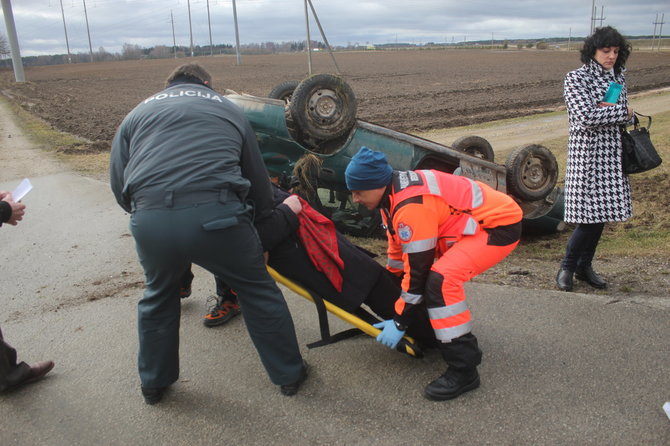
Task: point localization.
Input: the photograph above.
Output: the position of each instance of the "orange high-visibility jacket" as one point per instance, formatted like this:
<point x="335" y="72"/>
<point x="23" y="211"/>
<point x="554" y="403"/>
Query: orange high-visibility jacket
<point x="429" y="212"/>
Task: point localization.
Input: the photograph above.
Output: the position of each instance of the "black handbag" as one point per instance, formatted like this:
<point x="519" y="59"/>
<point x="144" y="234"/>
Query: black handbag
<point x="639" y="154"/>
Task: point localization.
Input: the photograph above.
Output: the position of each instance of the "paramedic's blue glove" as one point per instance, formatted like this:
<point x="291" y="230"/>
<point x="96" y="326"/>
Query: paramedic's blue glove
<point x="390" y="335"/>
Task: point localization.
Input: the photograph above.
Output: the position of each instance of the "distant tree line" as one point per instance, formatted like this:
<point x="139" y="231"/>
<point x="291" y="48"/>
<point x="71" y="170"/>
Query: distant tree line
<point x="135" y="52"/>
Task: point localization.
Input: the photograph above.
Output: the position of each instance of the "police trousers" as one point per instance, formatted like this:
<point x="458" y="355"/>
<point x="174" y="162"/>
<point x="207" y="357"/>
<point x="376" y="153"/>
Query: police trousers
<point x="220" y="238"/>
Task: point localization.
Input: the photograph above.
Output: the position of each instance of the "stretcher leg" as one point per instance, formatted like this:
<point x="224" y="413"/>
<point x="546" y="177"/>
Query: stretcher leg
<point x="407" y="344"/>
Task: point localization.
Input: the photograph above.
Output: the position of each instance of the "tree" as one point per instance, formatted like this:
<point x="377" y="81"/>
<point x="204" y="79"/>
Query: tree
<point x="131" y="51"/>
<point x="160" y="52"/>
<point x="4" y="47"/>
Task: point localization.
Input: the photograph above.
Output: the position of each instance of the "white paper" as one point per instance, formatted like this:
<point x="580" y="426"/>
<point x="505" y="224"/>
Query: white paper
<point x="21" y="190"/>
<point x="666" y="408"/>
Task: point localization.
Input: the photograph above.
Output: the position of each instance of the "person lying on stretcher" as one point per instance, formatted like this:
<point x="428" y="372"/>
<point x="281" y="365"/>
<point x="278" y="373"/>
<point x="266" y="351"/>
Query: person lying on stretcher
<point x="305" y="247"/>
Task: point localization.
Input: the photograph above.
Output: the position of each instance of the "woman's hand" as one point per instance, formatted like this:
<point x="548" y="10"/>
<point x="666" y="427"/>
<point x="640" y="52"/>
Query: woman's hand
<point x="293" y="202"/>
<point x="630" y="113"/>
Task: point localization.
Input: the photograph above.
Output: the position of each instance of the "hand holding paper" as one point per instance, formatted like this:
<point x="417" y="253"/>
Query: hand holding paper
<point x="21" y="190"/>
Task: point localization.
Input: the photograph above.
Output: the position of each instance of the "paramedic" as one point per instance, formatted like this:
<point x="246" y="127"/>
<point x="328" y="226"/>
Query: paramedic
<point x="442" y="230"/>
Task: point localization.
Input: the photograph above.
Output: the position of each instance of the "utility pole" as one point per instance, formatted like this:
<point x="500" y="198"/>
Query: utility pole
<point x="593" y="7"/>
<point x="569" y="38"/>
<point x="13" y="41"/>
<point x="660" y="32"/>
<point x="309" y="44"/>
<point x="602" y="17"/>
<point x="174" y="40"/>
<point x="237" y="34"/>
<point x="655" y="22"/>
<point x="209" y="24"/>
<point x="190" y="28"/>
<point x="325" y="40"/>
<point x="67" y="43"/>
<point x="90" y="47"/>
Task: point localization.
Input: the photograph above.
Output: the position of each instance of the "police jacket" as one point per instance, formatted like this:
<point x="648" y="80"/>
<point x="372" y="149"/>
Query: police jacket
<point x="187" y="141"/>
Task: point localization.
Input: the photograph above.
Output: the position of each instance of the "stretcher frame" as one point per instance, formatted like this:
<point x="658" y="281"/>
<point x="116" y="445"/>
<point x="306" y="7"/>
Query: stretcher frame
<point x="406" y="345"/>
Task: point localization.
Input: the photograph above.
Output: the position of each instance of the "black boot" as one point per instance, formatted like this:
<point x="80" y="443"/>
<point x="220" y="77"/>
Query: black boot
<point x="451" y="384"/>
<point x="564" y="280"/>
<point x="586" y="274"/>
<point x="153" y="395"/>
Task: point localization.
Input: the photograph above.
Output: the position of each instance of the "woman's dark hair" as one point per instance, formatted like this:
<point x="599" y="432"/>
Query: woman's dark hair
<point x="604" y="38"/>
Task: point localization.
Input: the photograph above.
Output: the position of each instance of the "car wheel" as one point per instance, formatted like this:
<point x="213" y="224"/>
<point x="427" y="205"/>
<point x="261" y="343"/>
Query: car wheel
<point x="323" y="107"/>
<point x="284" y="91"/>
<point x="532" y="172"/>
<point x="475" y="146"/>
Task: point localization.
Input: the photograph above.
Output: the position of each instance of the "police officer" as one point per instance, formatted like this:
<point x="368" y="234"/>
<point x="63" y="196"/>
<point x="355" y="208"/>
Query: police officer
<point x="186" y="165"/>
<point x="443" y="230"/>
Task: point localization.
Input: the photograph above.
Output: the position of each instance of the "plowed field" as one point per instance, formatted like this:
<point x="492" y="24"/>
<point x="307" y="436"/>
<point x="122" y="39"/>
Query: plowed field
<point x="404" y="90"/>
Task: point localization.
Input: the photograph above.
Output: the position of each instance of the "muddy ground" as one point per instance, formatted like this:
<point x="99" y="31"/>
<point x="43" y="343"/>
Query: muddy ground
<point x="404" y="90"/>
<point x="411" y="91"/>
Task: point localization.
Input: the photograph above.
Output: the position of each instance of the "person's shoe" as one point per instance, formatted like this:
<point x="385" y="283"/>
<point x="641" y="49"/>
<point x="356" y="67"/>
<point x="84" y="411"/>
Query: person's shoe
<point x="184" y="292"/>
<point x="451" y="384"/>
<point x="222" y="312"/>
<point x="589" y="276"/>
<point x="37" y="372"/>
<point x="153" y="395"/>
<point x="564" y="280"/>
<point x="292" y="389"/>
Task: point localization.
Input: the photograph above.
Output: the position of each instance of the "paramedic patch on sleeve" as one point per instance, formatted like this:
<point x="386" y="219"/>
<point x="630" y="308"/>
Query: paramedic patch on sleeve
<point x="404" y="232"/>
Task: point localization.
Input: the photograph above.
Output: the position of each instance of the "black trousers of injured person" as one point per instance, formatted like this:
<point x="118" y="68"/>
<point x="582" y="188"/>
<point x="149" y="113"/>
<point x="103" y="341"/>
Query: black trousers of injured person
<point x="220" y="238"/>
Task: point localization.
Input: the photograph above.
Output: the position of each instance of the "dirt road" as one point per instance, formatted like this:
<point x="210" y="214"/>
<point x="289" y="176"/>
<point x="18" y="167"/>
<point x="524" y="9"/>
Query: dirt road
<point x="507" y="135"/>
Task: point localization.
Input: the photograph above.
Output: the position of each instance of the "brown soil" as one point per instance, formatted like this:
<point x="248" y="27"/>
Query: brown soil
<point x="412" y="91"/>
<point x="404" y="90"/>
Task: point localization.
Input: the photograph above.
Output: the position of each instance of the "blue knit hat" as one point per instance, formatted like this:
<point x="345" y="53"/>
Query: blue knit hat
<point x="368" y="170"/>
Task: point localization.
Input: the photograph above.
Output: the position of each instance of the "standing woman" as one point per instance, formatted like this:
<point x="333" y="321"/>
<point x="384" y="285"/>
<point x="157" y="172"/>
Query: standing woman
<point x="596" y="189"/>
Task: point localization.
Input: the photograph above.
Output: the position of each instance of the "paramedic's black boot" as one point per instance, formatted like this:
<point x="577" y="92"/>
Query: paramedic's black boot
<point x="589" y="276"/>
<point x="452" y="384"/>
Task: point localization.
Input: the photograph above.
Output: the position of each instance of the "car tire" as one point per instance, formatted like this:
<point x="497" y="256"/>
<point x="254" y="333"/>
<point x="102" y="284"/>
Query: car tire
<point x="475" y="146"/>
<point x="284" y="91"/>
<point x="532" y="172"/>
<point x="323" y="107"/>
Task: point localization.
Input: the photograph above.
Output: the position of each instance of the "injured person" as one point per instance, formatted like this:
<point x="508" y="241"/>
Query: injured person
<point x="305" y="247"/>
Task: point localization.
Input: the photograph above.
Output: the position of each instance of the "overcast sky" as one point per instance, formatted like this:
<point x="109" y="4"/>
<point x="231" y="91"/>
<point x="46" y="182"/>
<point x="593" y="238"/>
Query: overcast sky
<point x="40" y="25"/>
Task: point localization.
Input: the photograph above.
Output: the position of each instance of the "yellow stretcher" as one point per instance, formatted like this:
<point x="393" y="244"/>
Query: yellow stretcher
<point x="363" y="321"/>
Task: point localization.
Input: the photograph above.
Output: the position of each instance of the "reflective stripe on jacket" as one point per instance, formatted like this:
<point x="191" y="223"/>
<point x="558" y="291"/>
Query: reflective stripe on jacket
<point x="429" y="212"/>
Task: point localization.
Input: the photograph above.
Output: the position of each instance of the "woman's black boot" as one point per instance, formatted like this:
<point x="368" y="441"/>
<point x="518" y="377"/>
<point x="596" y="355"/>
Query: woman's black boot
<point x="589" y="276"/>
<point x="564" y="280"/>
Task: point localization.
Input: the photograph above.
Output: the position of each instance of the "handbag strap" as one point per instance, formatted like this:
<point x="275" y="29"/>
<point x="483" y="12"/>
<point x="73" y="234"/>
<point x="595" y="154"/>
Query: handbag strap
<point x="637" y="121"/>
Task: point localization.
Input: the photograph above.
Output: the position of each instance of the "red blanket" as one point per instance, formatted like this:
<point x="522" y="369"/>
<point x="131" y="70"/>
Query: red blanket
<point x="317" y="234"/>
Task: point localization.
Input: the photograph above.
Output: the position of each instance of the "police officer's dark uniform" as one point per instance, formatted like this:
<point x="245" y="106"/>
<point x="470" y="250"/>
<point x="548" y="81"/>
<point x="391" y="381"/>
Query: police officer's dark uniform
<point x="186" y="165"/>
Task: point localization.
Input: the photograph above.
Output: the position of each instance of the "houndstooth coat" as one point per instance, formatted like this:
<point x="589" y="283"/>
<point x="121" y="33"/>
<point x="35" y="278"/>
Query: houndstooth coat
<point x="596" y="189"/>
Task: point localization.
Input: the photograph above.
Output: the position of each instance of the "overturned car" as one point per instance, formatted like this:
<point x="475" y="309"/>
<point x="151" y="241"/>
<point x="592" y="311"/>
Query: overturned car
<point x="318" y="116"/>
